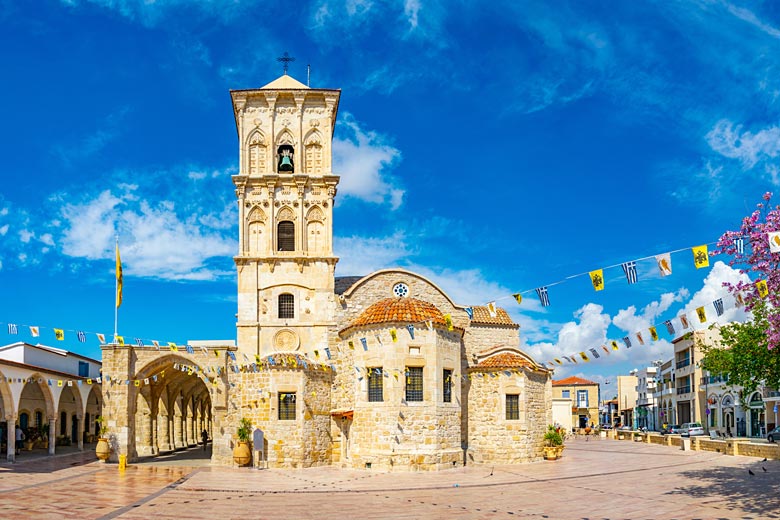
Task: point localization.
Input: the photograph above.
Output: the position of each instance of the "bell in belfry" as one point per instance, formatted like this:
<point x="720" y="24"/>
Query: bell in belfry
<point x="286" y="159"/>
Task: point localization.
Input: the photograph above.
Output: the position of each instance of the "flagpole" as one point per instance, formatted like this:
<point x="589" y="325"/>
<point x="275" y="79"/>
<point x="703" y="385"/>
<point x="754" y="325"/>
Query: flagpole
<point x="116" y="288"/>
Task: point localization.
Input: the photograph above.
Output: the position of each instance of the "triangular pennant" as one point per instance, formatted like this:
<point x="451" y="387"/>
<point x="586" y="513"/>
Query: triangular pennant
<point x="518" y="298"/>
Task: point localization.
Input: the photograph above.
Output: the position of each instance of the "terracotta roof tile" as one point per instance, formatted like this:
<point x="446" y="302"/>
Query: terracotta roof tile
<point x="505" y="360"/>
<point x="399" y="310"/>
<point x="573" y="380"/>
<point x="482" y="315"/>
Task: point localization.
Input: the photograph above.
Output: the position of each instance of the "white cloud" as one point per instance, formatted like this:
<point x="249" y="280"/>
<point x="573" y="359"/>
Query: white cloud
<point x="630" y="322"/>
<point x="363" y="255"/>
<point x="589" y="330"/>
<point x="362" y="159"/>
<point x="749" y="148"/>
<point x="3" y="230"/>
<point x="151" y="12"/>
<point x="26" y="235"/>
<point x="412" y="10"/>
<point x="47" y="239"/>
<point x="711" y="291"/>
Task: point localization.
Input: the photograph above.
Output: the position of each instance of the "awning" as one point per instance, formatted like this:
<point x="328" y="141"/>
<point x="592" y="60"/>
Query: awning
<point x="347" y="414"/>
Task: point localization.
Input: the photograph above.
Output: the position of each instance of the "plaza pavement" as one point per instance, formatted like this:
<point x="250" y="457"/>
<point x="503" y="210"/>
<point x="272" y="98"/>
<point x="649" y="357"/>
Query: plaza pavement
<point x="596" y="479"/>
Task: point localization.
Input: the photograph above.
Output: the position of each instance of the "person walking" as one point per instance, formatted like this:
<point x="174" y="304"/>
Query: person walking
<point x="19" y="439"/>
<point x="204" y="435"/>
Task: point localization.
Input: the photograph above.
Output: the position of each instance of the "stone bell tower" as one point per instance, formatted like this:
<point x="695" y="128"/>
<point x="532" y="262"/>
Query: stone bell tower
<point x="285" y="190"/>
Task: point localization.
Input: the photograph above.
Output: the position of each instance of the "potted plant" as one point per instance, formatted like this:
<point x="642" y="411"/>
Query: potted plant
<point x="553" y="443"/>
<point x="30" y="437"/>
<point x="241" y="452"/>
<point x="102" y="450"/>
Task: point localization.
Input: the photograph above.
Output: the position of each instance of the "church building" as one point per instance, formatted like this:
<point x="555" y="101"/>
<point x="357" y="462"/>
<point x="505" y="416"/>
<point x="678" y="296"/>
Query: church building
<point x="378" y="371"/>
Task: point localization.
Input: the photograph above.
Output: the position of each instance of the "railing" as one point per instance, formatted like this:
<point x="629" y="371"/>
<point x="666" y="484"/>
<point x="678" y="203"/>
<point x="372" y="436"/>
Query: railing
<point x="684" y="390"/>
<point x="683" y="363"/>
<point x="771" y="393"/>
<point x="712" y="380"/>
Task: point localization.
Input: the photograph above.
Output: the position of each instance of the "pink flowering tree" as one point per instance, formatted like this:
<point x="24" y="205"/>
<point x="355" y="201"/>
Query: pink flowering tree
<point x="748" y="352"/>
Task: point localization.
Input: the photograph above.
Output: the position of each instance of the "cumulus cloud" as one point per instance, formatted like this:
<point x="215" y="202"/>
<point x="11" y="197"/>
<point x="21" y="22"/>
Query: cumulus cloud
<point x="363" y="159"/>
<point x="587" y="330"/>
<point x="713" y="289"/>
<point x="363" y="255"/>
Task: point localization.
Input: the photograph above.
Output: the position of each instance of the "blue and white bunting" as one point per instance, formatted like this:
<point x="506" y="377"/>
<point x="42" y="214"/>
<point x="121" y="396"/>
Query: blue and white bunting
<point x="629" y="268"/>
<point x="541" y="292"/>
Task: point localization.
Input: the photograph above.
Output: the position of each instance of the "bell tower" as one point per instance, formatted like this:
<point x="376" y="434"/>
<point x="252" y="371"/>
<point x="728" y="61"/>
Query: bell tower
<point x="285" y="190"/>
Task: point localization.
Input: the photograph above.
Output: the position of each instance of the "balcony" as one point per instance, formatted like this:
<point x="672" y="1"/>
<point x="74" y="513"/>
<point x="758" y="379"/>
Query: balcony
<point x="714" y="380"/>
<point x="683" y="363"/>
<point x="684" y="390"/>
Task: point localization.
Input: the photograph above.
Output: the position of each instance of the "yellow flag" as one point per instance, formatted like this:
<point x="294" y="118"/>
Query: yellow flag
<point x="653" y="333"/>
<point x="518" y="298"/>
<point x="700" y="256"/>
<point x="59" y="382"/>
<point x="120" y="340"/>
<point x="763" y="290"/>
<point x="351" y="344"/>
<point x="584" y="356"/>
<point x="394" y="335"/>
<point x="701" y="314"/>
<point x="137" y="382"/>
<point x="448" y="321"/>
<point x="118" y="277"/>
<point x="597" y="279"/>
<point x="615" y="345"/>
<point x="59" y="334"/>
<point x="173" y="347"/>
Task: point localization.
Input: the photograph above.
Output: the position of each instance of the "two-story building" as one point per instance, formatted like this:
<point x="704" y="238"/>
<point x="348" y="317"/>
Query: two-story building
<point x="646" y="404"/>
<point x="584" y="397"/>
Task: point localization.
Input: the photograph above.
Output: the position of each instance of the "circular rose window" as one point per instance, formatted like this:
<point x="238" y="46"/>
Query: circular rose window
<point x="401" y="290"/>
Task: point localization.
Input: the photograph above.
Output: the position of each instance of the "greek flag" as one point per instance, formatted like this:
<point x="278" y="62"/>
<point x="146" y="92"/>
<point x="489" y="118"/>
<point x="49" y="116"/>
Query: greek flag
<point x="469" y="311"/>
<point x="627" y="341"/>
<point x="630" y="269"/>
<point x="410" y="328"/>
<point x="669" y="327"/>
<point x="739" y="244"/>
<point x="327" y="352"/>
<point x="139" y="342"/>
<point x="364" y="343"/>
<point x="189" y="349"/>
<point x="718" y="304"/>
<point x="541" y="292"/>
<point x="232" y="355"/>
<point x="595" y="353"/>
<point x="13" y="329"/>
<point x="82" y="337"/>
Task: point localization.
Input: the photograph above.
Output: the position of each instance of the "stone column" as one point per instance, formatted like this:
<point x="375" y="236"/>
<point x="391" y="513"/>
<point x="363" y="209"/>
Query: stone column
<point x="81" y="432"/>
<point x="178" y="431"/>
<point x="52" y="434"/>
<point x="153" y="433"/>
<point x="10" y="421"/>
<point x="146" y="435"/>
<point x="164" y="439"/>
<point x="190" y="432"/>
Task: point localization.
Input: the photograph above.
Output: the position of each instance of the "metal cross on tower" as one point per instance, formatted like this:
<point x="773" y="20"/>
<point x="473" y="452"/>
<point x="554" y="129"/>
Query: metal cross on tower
<point x="286" y="59"/>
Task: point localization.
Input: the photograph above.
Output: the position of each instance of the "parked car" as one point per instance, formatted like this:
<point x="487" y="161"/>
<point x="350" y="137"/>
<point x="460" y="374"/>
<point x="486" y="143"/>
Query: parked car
<point x="691" y="429"/>
<point x="670" y="428"/>
<point x="625" y="428"/>
<point x="606" y="426"/>
<point x="773" y="435"/>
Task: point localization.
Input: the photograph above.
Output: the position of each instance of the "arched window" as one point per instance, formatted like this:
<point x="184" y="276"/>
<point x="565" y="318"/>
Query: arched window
<point x="285" y="236"/>
<point x="63" y="423"/>
<point x="38" y="418"/>
<point x="257" y="154"/>
<point x="24" y="420"/>
<point x="286" y="306"/>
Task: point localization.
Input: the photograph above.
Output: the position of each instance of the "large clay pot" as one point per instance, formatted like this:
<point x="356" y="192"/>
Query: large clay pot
<point x="241" y="453"/>
<point x="102" y="450"/>
<point x="550" y="452"/>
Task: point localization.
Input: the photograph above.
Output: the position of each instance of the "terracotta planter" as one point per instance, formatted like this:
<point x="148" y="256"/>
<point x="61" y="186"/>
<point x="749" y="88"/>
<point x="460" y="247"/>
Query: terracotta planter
<point x="102" y="450"/>
<point x="241" y="453"/>
<point x="559" y="451"/>
<point x="551" y="452"/>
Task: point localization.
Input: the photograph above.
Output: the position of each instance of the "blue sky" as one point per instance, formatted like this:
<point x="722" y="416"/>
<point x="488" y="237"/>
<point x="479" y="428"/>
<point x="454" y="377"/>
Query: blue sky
<point x="492" y="146"/>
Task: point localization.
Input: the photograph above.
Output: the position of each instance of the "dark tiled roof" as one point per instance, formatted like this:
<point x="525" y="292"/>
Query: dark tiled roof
<point x="573" y="380"/>
<point x="482" y="315"/>
<point x="342" y="283"/>
<point x="399" y="310"/>
<point x="505" y="360"/>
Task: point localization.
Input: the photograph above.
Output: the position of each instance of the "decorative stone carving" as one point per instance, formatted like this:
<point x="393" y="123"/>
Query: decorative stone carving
<point x="286" y="213"/>
<point x="286" y="340"/>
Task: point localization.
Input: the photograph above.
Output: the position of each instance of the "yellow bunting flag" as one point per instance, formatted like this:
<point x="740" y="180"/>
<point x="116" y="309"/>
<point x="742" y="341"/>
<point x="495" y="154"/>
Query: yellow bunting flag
<point x="59" y="334"/>
<point x="173" y="347"/>
<point x="316" y="353"/>
<point x="448" y="321"/>
<point x="701" y="314"/>
<point x="584" y="356"/>
<point x="118" y="277"/>
<point x="59" y="382"/>
<point x="597" y="279"/>
<point x="700" y="256"/>
<point x="763" y="290"/>
<point x="518" y="298"/>
<point x="89" y="381"/>
<point x="615" y="345"/>
<point x="351" y="345"/>
<point x="136" y="382"/>
<point x="120" y="340"/>
<point x="653" y="333"/>
<point x="393" y="335"/>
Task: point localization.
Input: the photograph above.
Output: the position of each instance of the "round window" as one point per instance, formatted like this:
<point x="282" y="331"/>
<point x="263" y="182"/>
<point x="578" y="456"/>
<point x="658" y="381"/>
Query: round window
<point x="401" y="290"/>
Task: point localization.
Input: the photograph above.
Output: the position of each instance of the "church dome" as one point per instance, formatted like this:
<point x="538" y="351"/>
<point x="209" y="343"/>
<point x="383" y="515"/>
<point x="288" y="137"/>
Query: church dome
<point x="394" y="310"/>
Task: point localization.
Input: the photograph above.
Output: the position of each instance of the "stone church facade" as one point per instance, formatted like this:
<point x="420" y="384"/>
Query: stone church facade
<point x="380" y="371"/>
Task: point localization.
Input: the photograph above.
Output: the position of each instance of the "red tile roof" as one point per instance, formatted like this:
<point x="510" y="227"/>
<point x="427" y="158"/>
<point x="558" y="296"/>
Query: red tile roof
<point x="573" y="380"/>
<point x="399" y="310"/>
<point x="505" y="360"/>
<point x="482" y="315"/>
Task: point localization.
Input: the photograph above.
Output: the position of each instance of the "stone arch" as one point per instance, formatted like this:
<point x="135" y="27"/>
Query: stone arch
<point x="256" y="230"/>
<point x="285" y="137"/>
<point x="48" y="398"/>
<point x="93" y="408"/>
<point x="143" y="423"/>
<point x="285" y="213"/>
<point x="7" y="403"/>
<point x="312" y="153"/>
<point x="256" y="153"/>
<point x="316" y="239"/>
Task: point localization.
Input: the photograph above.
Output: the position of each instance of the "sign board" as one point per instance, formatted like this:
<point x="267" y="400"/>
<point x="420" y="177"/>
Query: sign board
<point x="257" y="439"/>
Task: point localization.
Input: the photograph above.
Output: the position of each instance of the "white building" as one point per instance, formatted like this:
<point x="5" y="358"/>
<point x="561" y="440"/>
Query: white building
<point x="646" y="403"/>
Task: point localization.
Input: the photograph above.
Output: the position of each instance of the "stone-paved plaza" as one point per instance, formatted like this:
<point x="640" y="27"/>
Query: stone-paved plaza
<point x="596" y="479"/>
